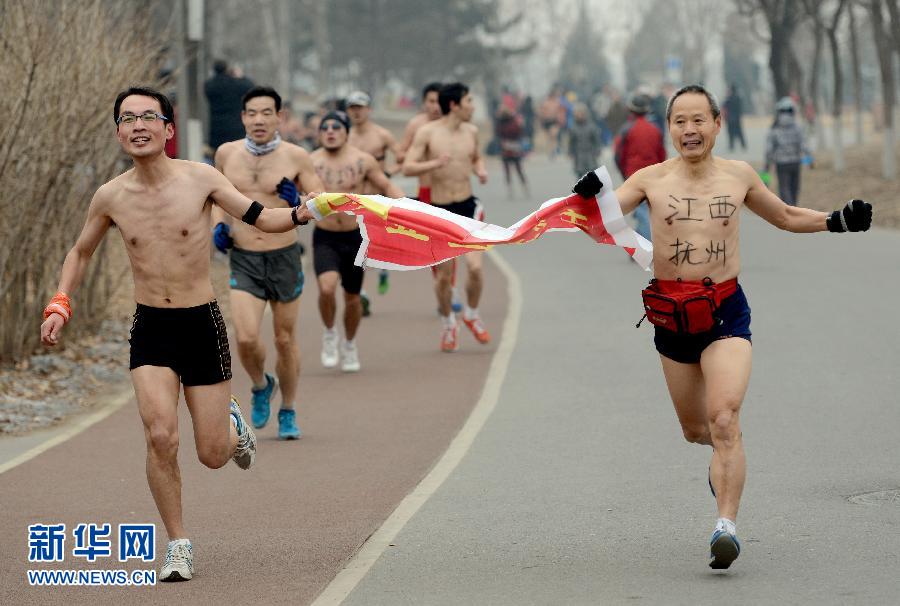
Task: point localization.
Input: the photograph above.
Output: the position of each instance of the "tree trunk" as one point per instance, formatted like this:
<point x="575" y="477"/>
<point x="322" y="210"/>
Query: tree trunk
<point x="836" y="109"/>
<point x="885" y="62"/>
<point x="857" y="76"/>
<point x="818" y="126"/>
<point x="778" y="60"/>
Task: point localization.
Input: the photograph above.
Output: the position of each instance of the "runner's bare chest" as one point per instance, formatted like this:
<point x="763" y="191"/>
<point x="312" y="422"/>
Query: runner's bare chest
<point x="695" y="225"/>
<point x="259" y="174"/>
<point x="173" y="218"/>
<point x="343" y="175"/>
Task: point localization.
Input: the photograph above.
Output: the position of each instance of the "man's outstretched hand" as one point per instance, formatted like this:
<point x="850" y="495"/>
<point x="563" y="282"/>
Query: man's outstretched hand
<point x="855" y="216"/>
<point x="588" y="186"/>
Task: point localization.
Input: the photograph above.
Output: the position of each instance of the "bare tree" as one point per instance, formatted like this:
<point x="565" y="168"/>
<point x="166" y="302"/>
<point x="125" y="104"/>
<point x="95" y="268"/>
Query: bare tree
<point x="828" y="25"/>
<point x="64" y="62"/>
<point x="857" y="73"/>
<point x="884" y="46"/>
<point x="782" y="18"/>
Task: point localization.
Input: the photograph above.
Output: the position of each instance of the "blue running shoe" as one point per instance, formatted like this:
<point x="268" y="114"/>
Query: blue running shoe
<point x="261" y="397"/>
<point x="724" y="548"/>
<point x="287" y="424"/>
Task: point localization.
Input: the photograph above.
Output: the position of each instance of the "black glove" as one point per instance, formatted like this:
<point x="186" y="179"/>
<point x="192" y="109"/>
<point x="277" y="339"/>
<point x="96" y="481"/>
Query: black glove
<point x="856" y="216"/>
<point x="588" y="186"/>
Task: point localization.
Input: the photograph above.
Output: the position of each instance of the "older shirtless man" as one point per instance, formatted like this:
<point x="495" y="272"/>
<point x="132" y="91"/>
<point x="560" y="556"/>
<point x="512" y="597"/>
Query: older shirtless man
<point x="447" y="149"/>
<point x="336" y="239"/>
<point x="695" y="213"/>
<point x="162" y="210"/>
<point x="266" y="268"/>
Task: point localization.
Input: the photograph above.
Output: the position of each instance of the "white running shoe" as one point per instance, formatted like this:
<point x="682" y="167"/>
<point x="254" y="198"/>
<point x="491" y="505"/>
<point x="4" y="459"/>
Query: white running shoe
<point x="179" y="564"/>
<point x="349" y="357"/>
<point x="245" y="453"/>
<point x="329" y="348"/>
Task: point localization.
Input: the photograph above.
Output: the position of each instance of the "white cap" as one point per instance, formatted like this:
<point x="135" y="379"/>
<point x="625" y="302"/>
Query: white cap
<point x="358" y="97"/>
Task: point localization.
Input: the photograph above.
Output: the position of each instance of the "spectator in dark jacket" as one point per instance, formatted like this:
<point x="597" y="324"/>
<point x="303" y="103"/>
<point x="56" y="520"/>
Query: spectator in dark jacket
<point x="734" y="111"/>
<point x="639" y="144"/>
<point x="224" y="92"/>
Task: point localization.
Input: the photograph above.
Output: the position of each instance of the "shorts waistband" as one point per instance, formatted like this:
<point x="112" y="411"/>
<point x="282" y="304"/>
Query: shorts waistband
<point x="353" y="233"/>
<point x="468" y="200"/>
<point x="274" y="251"/>
<point x="170" y="311"/>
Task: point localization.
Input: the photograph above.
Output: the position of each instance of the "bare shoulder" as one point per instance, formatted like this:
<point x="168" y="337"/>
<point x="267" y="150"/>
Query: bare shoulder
<point x="383" y="133"/>
<point x="109" y="191"/>
<point x="226" y="149"/>
<point x="367" y="158"/>
<point x="654" y="172"/>
<point x="297" y="153"/>
<point x="470" y="128"/>
<point x="428" y="129"/>
<point x="737" y="168"/>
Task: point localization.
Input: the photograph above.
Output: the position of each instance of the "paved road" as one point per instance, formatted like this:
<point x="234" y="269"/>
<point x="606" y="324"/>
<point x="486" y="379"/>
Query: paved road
<point x="580" y="489"/>
<point x="278" y="533"/>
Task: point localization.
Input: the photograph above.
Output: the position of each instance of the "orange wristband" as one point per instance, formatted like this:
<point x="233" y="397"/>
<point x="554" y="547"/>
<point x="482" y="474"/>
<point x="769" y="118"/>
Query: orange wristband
<point x="59" y="304"/>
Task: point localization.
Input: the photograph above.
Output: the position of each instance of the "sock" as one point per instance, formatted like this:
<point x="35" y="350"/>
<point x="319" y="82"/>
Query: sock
<point x="449" y="321"/>
<point x="726" y="525"/>
<point x="331" y="332"/>
<point x="262" y="386"/>
<point x="470" y="313"/>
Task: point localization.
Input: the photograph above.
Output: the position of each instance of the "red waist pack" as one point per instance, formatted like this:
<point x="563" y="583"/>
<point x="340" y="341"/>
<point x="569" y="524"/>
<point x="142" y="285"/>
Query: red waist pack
<point x="685" y="307"/>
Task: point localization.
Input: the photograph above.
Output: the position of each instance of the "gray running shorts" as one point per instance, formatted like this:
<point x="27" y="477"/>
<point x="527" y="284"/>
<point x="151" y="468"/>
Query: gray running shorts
<point x="270" y="275"/>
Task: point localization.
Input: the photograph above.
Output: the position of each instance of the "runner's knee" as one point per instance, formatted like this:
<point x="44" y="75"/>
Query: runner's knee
<point x="696" y="434"/>
<point x="724" y="427"/>
<point x="327" y="288"/>
<point x="248" y="341"/>
<point x="162" y="440"/>
<point x="213" y="456"/>
<point x="284" y="341"/>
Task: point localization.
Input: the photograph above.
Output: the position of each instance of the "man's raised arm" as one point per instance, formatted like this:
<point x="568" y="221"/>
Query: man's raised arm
<point x="855" y="216"/>
<point x="414" y="164"/>
<point x="236" y="204"/>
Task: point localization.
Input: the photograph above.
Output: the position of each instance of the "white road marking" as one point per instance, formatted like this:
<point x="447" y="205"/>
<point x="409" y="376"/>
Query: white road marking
<point x="360" y="564"/>
<point x="110" y="406"/>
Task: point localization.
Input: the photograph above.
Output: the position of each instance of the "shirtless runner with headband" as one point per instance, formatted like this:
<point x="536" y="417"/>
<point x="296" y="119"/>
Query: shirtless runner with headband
<point x="695" y="213"/>
<point x="162" y="210"/>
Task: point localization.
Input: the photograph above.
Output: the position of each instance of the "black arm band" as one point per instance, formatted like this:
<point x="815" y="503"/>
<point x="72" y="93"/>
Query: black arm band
<point x="252" y="213"/>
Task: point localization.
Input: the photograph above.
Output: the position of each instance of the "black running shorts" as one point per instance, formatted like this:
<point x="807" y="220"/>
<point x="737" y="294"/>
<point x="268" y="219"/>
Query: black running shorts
<point x="270" y="275"/>
<point x="470" y="207"/>
<point x="192" y="341"/>
<point x="733" y="321"/>
<point x="336" y="251"/>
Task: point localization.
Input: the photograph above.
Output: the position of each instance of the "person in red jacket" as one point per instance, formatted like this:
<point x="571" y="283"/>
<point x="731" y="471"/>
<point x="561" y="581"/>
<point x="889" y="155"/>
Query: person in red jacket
<point x="639" y="144"/>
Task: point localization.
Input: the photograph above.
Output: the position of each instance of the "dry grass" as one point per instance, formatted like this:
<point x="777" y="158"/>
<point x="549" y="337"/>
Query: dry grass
<point x="63" y="63"/>
<point x="823" y="189"/>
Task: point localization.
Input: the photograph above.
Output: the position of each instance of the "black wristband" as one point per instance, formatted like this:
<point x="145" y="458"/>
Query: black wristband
<point x="252" y="213"/>
<point x="294" y="218"/>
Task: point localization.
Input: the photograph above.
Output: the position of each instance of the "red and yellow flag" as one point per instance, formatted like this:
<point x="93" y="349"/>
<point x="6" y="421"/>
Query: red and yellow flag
<point x="404" y="234"/>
